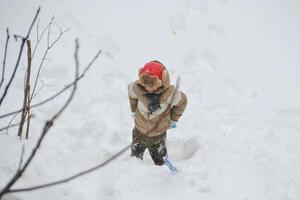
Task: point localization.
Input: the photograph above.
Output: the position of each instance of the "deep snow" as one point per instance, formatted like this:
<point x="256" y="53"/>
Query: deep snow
<point x="239" y="138"/>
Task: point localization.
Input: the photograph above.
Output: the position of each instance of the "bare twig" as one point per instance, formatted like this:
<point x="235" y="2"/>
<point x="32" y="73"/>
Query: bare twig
<point x="46" y="128"/>
<point x="41" y="87"/>
<point x="21" y="157"/>
<point x="29" y="115"/>
<point x="58" y="93"/>
<point x="60" y="35"/>
<point x="18" y="37"/>
<point x="77" y="175"/>
<point x="69" y="85"/>
<point x="19" y="58"/>
<point x="49" y="46"/>
<point x="28" y="89"/>
<point x="9" y="126"/>
<point x="39" y="38"/>
<point x="49" y="30"/>
<point x="37" y="30"/>
<point x="4" y="59"/>
<point x="26" y="102"/>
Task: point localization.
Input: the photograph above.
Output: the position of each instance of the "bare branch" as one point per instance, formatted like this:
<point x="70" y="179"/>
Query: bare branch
<point x="60" y="35"/>
<point x="49" y="46"/>
<point x="75" y="84"/>
<point x="21" y="157"/>
<point x="9" y="126"/>
<point x="26" y="101"/>
<point x="49" y="30"/>
<point x="18" y="37"/>
<point x="19" y="58"/>
<point x="46" y="128"/>
<point x="49" y="59"/>
<point x="4" y="59"/>
<point x="68" y="86"/>
<point x="28" y="123"/>
<point x="39" y="38"/>
<point x="58" y="93"/>
<point x="37" y="30"/>
<point x="40" y="89"/>
<point x="77" y="175"/>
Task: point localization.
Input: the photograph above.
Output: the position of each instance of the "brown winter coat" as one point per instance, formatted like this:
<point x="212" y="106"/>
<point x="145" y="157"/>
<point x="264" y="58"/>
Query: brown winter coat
<point x="173" y="103"/>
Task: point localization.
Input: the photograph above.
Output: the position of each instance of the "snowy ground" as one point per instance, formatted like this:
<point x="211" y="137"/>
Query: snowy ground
<point x="239" y="138"/>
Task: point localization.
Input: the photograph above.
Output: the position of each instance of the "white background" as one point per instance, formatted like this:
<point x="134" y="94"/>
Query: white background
<point x="239" y="137"/>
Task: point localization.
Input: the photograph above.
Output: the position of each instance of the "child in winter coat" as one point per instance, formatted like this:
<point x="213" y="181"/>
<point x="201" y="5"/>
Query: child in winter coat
<point x="156" y="106"/>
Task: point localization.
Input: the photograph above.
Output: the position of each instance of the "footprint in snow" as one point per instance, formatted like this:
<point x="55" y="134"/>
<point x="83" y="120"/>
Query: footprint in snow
<point x="215" y="32"/>
<point x="178" y="25"/>
<point x="190" y="147"/>
<point x="232" y="88"/>
<point x="201" y="59"/>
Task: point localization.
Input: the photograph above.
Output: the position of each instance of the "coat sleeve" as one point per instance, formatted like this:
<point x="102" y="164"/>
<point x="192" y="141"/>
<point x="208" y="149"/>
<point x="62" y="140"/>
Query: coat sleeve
<point x="133" y="100"/>
<point x="179" y="106"/>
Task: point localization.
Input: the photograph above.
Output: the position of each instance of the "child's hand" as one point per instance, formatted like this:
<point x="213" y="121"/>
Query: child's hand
<point x="173" y="124"/>
<point x="133" y="115"/>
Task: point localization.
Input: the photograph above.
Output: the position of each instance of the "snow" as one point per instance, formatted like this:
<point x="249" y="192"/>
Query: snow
<point x="238" y="61"/>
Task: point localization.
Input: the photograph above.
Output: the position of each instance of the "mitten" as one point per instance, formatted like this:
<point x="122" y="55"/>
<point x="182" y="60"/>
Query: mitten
<point x="173" y="124"/>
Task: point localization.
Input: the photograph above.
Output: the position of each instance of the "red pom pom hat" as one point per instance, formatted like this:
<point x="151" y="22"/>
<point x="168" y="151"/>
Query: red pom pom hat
<point x="153" y="68"/>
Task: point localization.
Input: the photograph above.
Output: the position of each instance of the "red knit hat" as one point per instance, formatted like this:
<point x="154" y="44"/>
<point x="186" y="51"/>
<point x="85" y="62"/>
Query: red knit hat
<point x="153" y="68"/>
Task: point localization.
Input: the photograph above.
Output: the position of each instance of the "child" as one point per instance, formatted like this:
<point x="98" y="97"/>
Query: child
<point x="156" y="106"/>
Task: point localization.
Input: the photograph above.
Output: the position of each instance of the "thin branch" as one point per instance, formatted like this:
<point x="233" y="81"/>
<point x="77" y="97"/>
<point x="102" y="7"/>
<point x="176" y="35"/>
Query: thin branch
<point x="49" y="30"/>
<point x="60" y="35"/>
<point x="19" y="58"/>
<point x="46" y="128"/>
<point x="28" y="124"/>
<point x="38" y="91"/>
<point x="68" y="86"/>
<point x="37" y="30"/>
<point x="21" y="157"/>
<point x="49" y="46"/>
<point x="18" y="37"/>
<point x="26" y="101"/>
<point x="48" y="59"/>
<point x="43" y="59"/>
<point x="39" y="38"/>
<point x="75" y="84"/>
<point x="58" y="93"/>
<point x="77" y="175"/>
<point x="9" y="126"/>
<point x="4" y="59"/>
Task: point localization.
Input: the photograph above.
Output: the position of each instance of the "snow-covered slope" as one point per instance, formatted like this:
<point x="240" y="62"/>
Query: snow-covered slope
<point x="239" y="66"/>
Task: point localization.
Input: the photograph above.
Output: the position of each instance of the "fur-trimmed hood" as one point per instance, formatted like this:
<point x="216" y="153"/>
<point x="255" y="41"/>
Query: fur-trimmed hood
<point x="154" y="81"/>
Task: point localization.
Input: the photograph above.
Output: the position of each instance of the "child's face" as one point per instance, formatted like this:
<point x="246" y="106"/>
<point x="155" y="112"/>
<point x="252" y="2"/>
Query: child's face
<point x="151" y="89"/>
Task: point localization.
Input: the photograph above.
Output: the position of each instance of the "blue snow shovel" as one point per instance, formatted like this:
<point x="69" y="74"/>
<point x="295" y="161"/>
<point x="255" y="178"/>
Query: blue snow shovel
<point x="170" y="165"/>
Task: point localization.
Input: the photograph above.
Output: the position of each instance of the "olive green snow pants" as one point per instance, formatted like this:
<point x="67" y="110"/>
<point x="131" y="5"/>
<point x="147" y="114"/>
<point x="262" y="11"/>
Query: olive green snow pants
<point x="156" y="146"/>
